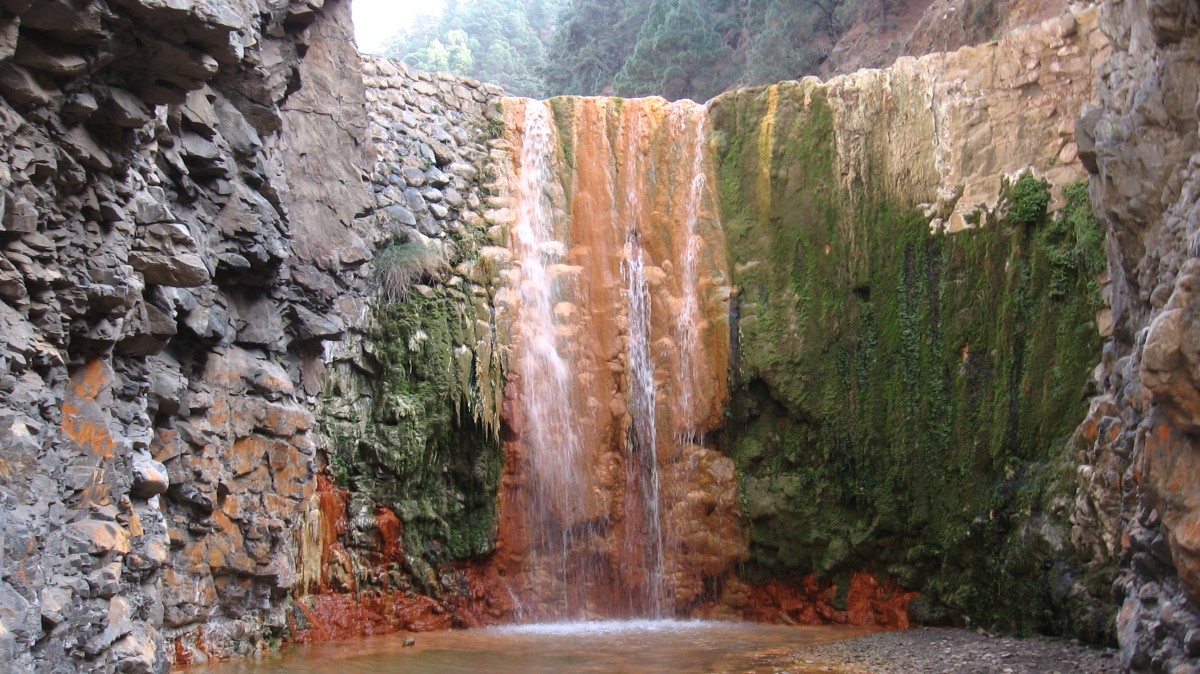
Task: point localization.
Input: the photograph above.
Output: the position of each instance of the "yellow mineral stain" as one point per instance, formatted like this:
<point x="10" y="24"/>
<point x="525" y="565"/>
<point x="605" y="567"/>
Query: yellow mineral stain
<point x="766" y="148"/>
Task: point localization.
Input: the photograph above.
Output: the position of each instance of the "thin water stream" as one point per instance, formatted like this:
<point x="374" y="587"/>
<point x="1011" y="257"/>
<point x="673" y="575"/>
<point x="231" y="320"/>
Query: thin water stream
<point x="629" y="647"/>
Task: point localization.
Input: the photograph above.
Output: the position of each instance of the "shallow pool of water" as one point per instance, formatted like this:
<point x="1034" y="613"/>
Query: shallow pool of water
<point x="630" y="647"/>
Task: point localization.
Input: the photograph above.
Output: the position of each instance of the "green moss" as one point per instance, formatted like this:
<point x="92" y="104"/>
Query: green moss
<point x="563" y="109"/>
<point x="412" y="422"/>
<point x="1028" y="200"/>
<point x="421" y="451"/>
<point x="904" y="399"/>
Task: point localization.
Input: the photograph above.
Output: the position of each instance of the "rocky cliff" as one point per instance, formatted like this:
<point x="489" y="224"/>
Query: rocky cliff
<point x="919" y="304"/>
<point x="261" y="371"/>
<point x="1139" y="503"/>
<point x="179" y="181"/>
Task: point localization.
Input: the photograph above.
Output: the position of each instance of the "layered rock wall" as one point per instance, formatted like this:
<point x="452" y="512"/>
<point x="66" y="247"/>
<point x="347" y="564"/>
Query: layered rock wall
<point x="179" y="181"/>
<point x="1139" y="502"/>
<point x="907" y="316"/>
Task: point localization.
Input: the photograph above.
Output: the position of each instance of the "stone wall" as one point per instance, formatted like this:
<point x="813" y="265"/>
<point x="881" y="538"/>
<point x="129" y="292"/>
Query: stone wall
<point x="179" y="182"/>
<point x="410" y="419"/>
<point x="1139" y="501"/>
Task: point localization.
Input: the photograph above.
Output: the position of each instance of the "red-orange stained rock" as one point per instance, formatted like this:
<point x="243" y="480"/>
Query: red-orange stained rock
<point x="1169" y="468"/>
<point x="630" y="167"/>
<point x="868" y="602"/>
<point x="85" y="422"/>
<point x="390" y="528"/>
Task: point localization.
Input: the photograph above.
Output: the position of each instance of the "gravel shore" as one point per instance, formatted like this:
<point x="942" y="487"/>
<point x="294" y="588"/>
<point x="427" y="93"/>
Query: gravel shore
<point x="932" y="651"/>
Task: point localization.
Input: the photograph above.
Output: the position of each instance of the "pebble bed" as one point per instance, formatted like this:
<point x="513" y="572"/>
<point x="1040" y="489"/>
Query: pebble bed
<point x="930" y="651"/>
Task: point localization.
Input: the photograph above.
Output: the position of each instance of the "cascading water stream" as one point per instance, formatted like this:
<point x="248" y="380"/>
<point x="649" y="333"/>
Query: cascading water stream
<point x="687" y="123"/>
<point x="642" y="468"/>
<point x="551" y="433"/>
<point x="642" y="491"/>
<point x="615" y="507"/>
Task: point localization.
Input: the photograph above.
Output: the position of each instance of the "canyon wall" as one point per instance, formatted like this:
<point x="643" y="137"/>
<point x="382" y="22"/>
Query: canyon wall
<point x="915" y="331"/>
<point x="1139" y="498"/>
<point x="179" y="184"/>
<point x="263" y="374"/>
<point x="411" y="405"/>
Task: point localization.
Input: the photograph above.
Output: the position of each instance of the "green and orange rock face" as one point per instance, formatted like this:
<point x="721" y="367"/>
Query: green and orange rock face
<point x="878" y="309"/>
<point x="905" y="395"/>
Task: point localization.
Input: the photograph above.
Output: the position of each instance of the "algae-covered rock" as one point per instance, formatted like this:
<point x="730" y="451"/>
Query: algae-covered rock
<point x="907" y="395"/>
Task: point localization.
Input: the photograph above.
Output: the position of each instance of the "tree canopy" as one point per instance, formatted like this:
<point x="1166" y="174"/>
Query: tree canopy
<point x="672" y="48"/>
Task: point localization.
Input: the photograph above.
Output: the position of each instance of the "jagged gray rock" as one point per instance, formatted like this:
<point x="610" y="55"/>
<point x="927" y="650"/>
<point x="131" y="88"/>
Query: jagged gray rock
<point x="1139" y="500"/>
<point x="158" y="177"/>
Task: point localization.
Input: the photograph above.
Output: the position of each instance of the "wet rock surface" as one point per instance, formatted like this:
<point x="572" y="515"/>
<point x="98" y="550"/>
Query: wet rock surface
<point x="932" y="651"/>
<point x="190" y="210"/>
<point x="410" y="421"/>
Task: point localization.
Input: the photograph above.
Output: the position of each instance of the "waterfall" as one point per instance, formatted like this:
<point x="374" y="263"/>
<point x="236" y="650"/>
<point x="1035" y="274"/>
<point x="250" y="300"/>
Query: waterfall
<point x="614" y="507"/>
<point x="642" y="477"/>
<point x="687" y="123"/>
<point x="551" y="434"/>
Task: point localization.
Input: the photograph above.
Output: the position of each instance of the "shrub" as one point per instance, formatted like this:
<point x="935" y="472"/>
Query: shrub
<point x="399" y="265"/>
<point x="1028" y="200"/>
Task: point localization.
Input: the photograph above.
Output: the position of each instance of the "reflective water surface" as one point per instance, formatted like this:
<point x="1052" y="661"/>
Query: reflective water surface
<point x="629" y="647"/>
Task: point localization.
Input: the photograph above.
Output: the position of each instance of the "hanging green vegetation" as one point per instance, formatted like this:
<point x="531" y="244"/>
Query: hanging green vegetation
<point x="907" y="397"/>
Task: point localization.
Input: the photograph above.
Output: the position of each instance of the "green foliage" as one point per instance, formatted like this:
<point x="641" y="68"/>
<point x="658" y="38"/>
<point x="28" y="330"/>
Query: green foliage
<point x="399" y="265"/>
<point x="907" y="396"/>
<point x="500" y="41"/>
<point x="679" y="53"/>
<point x="784" y="43"/>
<point x="411" y="423"/>
<point x="431" y="458"/>
<point x="672" y="48"/>
<point x="1075" y="244"/>
<point x="1028" y="200"/>
<point x="416" y="448"/>
<point x="593" y="40"/>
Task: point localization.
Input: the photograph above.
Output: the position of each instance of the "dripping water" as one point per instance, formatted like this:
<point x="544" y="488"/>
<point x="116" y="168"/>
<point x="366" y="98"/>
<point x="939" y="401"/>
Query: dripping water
<point x="642" y="481"/>
<point x="687" y="121"/>
<point x="551" y="435"/>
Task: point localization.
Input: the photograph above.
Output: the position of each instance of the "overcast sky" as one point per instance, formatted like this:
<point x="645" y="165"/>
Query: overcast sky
<point x="377" y="20"/>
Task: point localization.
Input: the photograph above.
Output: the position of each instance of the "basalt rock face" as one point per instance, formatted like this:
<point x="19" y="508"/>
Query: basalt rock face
<point x="178" y="184"/>
<point x="1139" y="501"/>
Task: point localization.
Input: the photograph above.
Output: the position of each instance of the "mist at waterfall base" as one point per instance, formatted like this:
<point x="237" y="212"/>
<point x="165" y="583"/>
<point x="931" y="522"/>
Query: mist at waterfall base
<point x="631" y="647"/>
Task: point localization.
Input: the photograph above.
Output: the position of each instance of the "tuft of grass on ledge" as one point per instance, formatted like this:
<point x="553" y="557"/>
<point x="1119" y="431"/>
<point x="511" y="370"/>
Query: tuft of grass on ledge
<point x="400" y="265"/>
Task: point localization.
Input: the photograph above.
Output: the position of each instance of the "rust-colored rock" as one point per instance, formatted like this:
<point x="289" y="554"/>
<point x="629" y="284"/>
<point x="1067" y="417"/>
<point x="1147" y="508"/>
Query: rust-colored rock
<point x="868" y="601"/>
<point x="629" y="211"/>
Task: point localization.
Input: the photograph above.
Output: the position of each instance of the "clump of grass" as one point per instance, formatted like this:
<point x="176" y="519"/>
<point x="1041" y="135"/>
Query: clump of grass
<point x="400" y="265"/>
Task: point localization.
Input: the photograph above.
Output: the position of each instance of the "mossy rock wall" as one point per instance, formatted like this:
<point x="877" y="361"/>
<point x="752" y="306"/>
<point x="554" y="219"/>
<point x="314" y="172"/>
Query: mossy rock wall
<point x="410" y="414"/>
<point x="904" y="400"/>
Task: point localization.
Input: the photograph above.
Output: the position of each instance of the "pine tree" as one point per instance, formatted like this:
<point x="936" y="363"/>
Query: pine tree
<point x="784" y="43"/>
<point x="679" y="53"/>
<point x="591" y="44"/>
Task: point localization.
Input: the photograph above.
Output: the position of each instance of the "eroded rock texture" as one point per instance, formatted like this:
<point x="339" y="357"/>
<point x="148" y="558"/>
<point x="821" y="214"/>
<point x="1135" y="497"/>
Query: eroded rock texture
<point x="209" y="278"/>
<point x="1139" y="500"/>
<point x="178" y="182"/>
<point x="411" y="413"/>
<point x="914" y="334"/>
